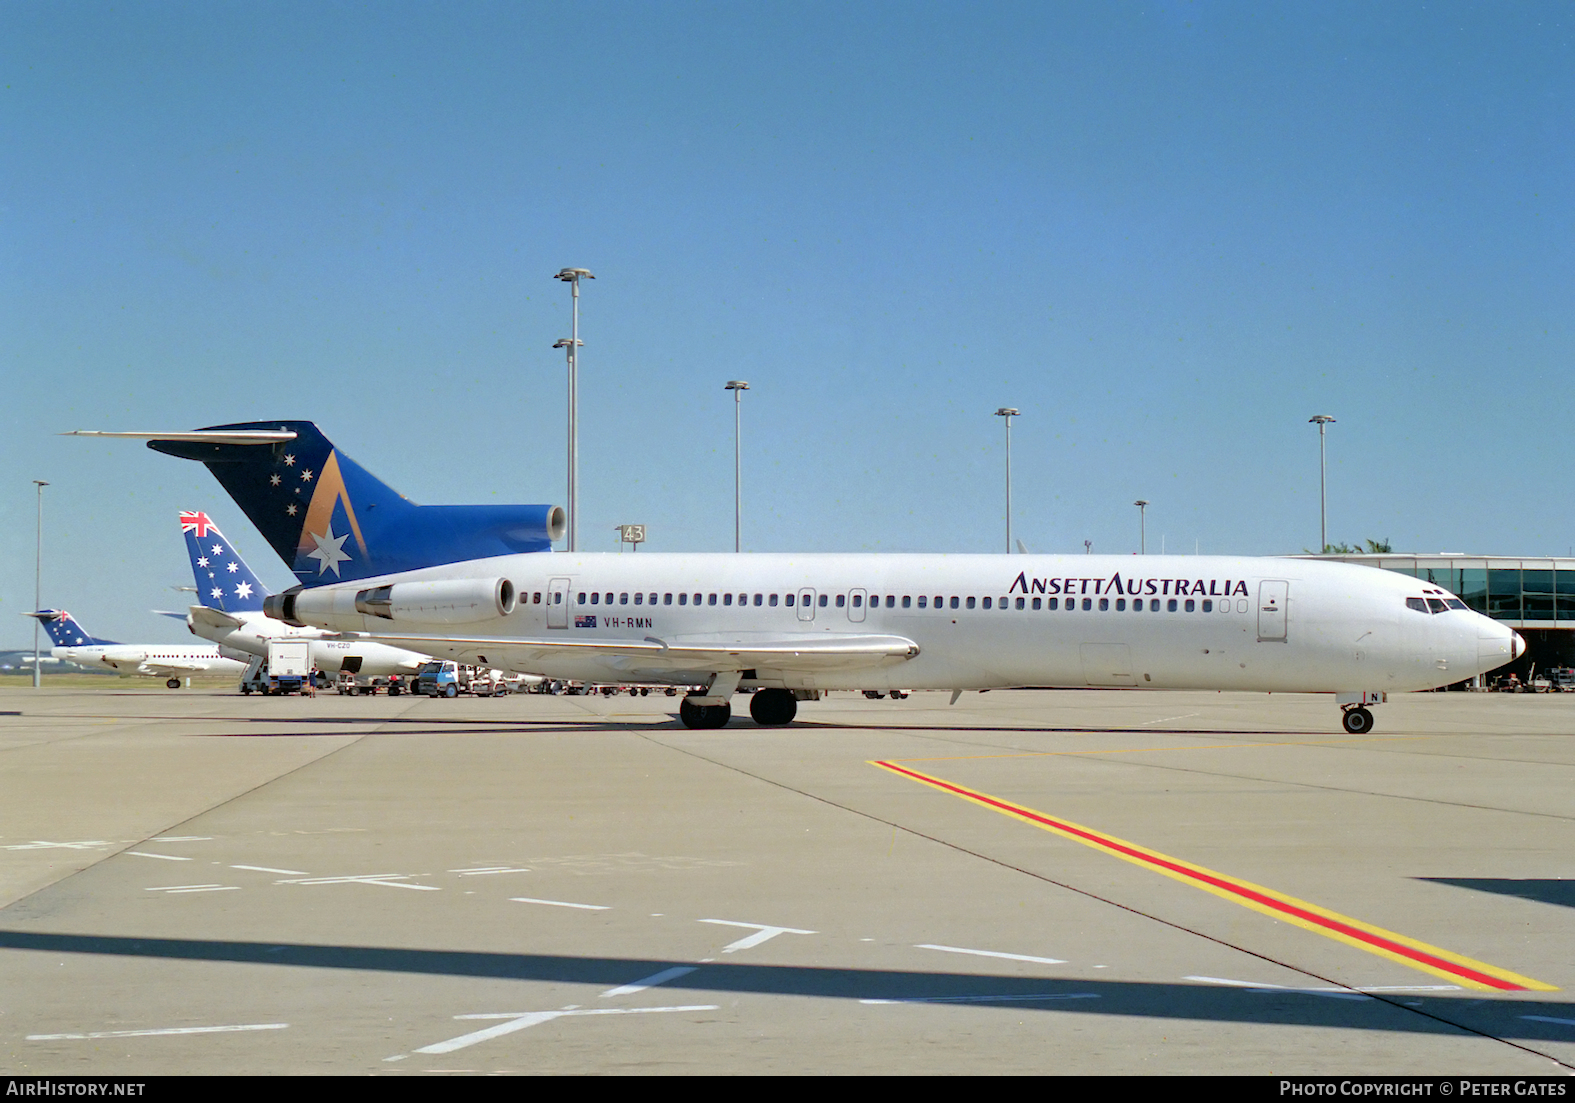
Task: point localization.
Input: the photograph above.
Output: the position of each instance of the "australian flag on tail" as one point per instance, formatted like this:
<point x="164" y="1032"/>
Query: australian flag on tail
<point x="224" y="581"/>
<point x="331" y="520"/>
<point x="64" y="631"/>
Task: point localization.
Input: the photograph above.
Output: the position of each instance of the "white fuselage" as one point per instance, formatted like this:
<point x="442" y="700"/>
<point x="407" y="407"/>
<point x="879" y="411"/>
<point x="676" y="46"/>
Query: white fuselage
<point x="151" y="660"/>
<point x="253" y="632"/>
<point x="976" y="621"/>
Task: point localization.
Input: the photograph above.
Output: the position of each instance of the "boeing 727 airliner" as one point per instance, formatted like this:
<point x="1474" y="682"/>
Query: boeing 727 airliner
<point x="448" y="583"/>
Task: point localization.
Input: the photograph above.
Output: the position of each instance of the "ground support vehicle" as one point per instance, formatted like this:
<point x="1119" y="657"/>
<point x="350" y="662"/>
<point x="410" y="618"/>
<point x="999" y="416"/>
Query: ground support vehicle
<point x="290" y="666"/>
<point x="365" y="685"/>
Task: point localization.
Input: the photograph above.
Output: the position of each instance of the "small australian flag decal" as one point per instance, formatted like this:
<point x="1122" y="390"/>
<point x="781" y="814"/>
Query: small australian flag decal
<point x="585" y="622"/>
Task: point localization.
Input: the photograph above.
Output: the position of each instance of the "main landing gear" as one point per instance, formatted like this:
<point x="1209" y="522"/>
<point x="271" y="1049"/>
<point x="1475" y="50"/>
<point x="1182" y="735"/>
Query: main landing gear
<point x="1357" y="720"/>
<point x="173" y="683"/>
<point x="770" y="708"/>
<point x="704" y="716"/>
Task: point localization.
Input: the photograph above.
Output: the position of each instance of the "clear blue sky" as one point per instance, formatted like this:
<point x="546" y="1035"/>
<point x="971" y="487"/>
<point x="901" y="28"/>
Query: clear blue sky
<point x="1169" y="233"/>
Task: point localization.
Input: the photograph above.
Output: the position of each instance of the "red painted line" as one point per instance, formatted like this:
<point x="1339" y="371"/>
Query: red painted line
<point x="1235" y="889"/>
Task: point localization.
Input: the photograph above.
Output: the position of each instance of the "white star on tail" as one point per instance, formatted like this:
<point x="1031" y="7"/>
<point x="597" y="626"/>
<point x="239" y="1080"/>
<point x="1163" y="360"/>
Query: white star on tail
<point x="330" y="551"/>
<point x="244" y="590"/>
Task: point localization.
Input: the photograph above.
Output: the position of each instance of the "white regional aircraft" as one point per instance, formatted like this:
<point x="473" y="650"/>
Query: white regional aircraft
<point x="230" y="612"/>
<point x="793" y="625"/>
<point x="480" y="584"/>
<point x="157" y="660"/>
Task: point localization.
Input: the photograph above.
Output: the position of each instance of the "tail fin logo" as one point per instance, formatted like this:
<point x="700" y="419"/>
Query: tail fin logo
<point x="196" y="523"/>
<point x="317" y="540"/>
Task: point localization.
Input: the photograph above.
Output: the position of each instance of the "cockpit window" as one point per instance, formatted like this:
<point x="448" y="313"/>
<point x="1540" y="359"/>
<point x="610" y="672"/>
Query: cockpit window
<point x="1417" y="603"/>
<point x="1455" y="603"/>
<point x="1436" y="605"/>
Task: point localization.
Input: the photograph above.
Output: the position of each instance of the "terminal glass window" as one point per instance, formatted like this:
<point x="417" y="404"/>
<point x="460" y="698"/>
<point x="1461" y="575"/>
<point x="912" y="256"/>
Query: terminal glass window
<point x="1445" y="578"/>
<point x="1504" y="593"/>
<point x="1565" y="601"/>
<point x="1473" y="588"/>
<point x="1536" y="595"/>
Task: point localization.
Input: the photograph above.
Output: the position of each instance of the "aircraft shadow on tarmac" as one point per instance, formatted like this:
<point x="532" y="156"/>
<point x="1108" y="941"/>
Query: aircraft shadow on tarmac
<point x="415" y="725"/>
<point x="1395" y="1013"/>
<point x="1545" y="891"/>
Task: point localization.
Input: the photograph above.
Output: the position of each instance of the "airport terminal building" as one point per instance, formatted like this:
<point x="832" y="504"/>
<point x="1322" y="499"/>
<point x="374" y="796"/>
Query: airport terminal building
<point x="1534" y="596"/>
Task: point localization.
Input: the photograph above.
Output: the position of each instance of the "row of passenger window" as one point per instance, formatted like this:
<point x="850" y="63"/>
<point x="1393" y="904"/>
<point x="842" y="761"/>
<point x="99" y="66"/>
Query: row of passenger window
<point x="907" y="601"/>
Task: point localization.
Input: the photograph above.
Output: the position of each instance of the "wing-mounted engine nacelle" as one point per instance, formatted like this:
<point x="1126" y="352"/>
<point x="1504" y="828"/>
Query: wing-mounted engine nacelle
<point x="448" y="601"/>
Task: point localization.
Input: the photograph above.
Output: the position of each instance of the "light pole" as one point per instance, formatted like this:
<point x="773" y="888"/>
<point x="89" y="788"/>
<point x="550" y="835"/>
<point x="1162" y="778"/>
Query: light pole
<point x="38" y="572"/>
<point x="572" y="277"/>
<point x="1322" y="420"/>
<point x="1142" y="526"/>
<point x="1008" y="413"/>
<point x="738" y="387"/>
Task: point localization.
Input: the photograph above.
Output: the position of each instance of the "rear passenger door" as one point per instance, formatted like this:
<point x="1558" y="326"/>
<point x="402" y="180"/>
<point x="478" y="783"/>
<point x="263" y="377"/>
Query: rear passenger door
<point x="558" y="603"/>
<point x="1274" y="601"/>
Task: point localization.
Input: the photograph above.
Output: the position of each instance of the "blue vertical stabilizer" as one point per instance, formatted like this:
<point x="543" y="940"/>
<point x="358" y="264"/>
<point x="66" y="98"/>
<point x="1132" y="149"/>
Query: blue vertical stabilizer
<point x="224" y="581"/>
<point x="330" y="519"/>
<point x="65" y="631"/>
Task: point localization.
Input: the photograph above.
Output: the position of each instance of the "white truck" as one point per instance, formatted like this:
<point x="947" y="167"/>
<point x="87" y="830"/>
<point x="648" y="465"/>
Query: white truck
<point x="289" y="666"/>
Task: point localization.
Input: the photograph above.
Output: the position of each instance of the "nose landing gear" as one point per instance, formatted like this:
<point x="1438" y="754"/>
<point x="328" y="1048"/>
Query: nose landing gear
<point x="1357" y="720"/>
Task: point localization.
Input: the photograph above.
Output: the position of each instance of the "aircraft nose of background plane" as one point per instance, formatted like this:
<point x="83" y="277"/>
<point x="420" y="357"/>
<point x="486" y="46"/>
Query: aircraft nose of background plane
<point x="1497" y="644"/>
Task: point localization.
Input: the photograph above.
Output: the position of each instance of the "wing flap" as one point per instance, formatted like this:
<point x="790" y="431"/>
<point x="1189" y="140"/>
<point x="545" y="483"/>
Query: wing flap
<point x="797" y="653"/>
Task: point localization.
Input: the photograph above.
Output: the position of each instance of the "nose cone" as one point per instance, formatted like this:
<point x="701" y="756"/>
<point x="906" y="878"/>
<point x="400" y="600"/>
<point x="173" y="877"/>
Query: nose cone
<point x="1497" y="644"/>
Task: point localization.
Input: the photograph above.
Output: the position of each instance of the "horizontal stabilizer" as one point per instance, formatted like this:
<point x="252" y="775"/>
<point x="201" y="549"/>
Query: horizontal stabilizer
<point x="213" y="618"/>
<point x="198" y="436"/>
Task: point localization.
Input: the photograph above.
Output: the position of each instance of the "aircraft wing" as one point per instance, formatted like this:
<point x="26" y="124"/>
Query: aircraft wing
<point x="166" y="666"/>
<point x="744" y="651"/>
